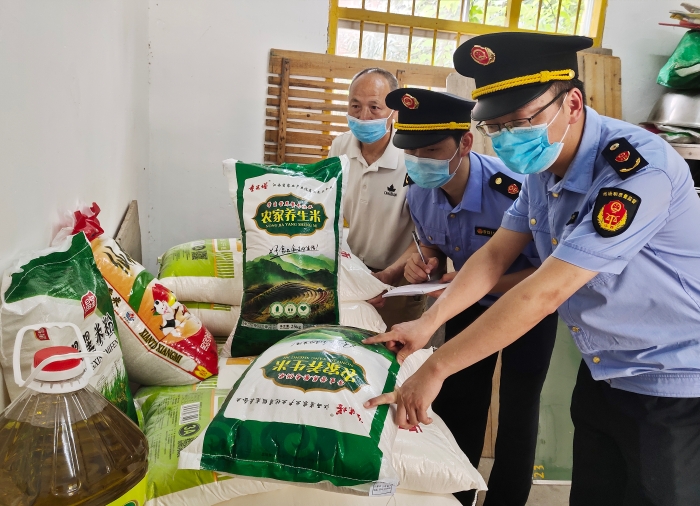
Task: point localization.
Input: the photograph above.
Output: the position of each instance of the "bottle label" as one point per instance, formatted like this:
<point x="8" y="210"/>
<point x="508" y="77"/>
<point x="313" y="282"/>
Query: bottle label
<point x="134" y="497"/>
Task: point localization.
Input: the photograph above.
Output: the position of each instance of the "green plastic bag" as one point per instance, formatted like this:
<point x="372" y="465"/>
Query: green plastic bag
<point x="682" y="71"/>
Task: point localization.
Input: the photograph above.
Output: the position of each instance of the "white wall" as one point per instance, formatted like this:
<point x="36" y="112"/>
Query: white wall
<point x="632" y="31"/>
<point x="208" y="80"/>
<point x="74" y="114"/>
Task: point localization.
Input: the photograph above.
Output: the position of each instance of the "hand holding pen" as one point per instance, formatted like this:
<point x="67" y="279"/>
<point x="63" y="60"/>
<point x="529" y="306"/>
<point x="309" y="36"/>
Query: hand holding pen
<point x="420" y="251"/>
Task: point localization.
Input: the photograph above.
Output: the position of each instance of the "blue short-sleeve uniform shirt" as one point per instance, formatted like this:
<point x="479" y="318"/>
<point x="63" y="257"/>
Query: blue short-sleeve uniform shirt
<point x="637" y="323"/>
<point x="458" y="231"/>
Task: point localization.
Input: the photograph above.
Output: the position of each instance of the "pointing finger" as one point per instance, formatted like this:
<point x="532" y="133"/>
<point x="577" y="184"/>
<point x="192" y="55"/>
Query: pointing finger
<point x="389" y="398"/>
<point x="380" y="338"/>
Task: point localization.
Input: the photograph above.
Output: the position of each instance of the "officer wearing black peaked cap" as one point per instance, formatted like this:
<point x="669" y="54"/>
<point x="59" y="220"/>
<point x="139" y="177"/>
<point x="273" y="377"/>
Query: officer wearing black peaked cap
<point x="457" y="199"/>
<point x="614" y="216"/>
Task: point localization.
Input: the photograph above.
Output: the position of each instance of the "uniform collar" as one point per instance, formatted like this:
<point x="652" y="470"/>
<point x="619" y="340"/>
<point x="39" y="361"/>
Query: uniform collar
<point x="471" y="199"/>
<point x="388" y="160"/>
<point x="579" y="176"/>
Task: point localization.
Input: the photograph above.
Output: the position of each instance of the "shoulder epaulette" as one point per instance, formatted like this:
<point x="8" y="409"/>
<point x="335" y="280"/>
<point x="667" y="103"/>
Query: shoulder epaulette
<point x="506" y="185"/>
<point x="622" y="157"/>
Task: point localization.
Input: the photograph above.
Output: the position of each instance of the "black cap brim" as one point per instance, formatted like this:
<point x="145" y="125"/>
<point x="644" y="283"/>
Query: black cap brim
<point x="416" y="141"/>
<point x="500" y="103"/>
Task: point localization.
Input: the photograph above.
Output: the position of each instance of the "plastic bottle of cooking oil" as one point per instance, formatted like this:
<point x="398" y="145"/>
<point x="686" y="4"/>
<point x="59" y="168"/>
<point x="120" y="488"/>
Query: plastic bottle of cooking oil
<point x="61" y="442"/>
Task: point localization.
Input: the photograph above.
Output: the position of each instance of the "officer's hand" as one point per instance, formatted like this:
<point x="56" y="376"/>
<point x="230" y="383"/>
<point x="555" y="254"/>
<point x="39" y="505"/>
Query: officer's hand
<point x="404" y="338"/>
<point x="445" y="279"/>
<point x="413" y="398"/>
<point x="416" y="271"/>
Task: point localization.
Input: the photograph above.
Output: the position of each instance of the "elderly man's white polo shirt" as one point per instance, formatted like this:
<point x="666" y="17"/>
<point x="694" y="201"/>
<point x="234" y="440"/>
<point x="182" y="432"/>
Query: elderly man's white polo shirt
<point x="375" y="204"/>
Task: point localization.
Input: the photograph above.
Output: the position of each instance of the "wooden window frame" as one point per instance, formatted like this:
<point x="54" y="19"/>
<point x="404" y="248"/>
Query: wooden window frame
<point x="444" y="25"/>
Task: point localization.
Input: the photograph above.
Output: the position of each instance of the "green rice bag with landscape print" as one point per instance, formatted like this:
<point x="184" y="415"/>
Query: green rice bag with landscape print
<point x="291" y="225"/>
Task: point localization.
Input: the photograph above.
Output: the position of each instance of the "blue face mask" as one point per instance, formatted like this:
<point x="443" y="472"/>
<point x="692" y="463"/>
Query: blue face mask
<point x="368" y="131"/>
<point x="527" y="150"/>
<point x="427" y="172"/>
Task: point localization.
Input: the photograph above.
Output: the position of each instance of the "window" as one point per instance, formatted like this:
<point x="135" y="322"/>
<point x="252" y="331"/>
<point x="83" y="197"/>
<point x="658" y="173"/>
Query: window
<point x="429" y="31"/>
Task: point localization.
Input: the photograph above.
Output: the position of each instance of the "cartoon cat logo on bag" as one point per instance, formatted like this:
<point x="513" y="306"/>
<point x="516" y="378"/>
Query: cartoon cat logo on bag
<point x="316" y="370"/>
<point x="290" y="215"/>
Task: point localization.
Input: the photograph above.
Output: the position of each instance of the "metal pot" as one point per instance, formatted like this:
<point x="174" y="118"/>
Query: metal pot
<point x="678" y="108"/>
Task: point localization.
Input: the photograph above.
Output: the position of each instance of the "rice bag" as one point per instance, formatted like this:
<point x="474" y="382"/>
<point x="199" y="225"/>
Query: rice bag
<point x="357" y="314"/>
<point x="428" y="459"/>
<point x="297" y="415"/>
<point x="206" y="271"/>
<point x="63" y="284"/>
<point x="356" y="280"/>
<point x="361" y="315"/>
<point x="163" y="343"/>
<point x="219" y="319"/>
<point x="173" y="417"/>
<point x="291" y="224"/>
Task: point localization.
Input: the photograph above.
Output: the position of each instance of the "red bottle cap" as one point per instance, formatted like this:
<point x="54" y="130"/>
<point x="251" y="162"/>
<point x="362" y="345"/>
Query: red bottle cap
<point x="60" y="365"/>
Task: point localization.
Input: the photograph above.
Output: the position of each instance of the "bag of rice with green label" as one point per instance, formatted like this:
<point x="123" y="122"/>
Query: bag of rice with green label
<point x="297" y="415"/>
<point x="291" y="225"/>
<point x="63" y="284"/>
<point x="209" y="270"/>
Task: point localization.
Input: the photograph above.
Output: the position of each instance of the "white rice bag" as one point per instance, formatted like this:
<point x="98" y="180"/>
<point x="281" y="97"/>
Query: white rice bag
<point x="361" y="315"/>
<point x="219" y="319"/>
<point x="209" y="270"/>
<point x="356" y="280"/>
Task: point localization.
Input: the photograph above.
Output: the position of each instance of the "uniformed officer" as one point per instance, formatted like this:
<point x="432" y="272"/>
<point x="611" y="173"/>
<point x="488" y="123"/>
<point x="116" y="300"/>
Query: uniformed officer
<point x="616" y="221"/>
<point x="457" y="202"/>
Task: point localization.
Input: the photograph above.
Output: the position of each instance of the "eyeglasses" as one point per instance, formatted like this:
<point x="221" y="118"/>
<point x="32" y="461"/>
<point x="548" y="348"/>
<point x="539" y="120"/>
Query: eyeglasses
<point x="491" y="129"/>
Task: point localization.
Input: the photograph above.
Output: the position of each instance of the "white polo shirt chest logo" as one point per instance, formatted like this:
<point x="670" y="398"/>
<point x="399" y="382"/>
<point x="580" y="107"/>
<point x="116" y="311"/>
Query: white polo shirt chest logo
<point x="390" y="190"/>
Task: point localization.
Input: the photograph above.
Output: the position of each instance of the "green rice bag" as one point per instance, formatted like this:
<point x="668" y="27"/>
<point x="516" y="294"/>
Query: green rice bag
<point x="297" y="415"/>
<point x="291" y="224"/>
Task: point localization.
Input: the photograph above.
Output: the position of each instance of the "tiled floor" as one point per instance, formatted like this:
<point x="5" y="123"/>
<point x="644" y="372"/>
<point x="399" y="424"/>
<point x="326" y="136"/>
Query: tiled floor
<point x="540" y="495"/>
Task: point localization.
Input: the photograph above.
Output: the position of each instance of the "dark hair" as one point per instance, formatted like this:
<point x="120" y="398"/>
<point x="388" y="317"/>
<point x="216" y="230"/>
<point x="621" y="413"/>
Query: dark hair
<point x="390" y="78"/>
<point x="562" y="86"/>
<point x="457" y="136"/>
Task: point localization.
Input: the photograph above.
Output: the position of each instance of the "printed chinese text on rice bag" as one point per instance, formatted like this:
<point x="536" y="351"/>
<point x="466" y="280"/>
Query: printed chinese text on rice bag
<point x="291" y="223"/>
<point x="297" y="415"/>
<point x="63" y="283"/>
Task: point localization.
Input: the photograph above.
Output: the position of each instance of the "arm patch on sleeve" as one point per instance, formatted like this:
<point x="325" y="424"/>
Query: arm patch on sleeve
<point x="622" y="157"/>
<point x="505" y="185"/>
<point x="614" y="211"/>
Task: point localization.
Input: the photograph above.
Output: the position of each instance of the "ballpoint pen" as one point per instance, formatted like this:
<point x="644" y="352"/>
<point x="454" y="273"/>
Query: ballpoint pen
<point x="420" y="251"/>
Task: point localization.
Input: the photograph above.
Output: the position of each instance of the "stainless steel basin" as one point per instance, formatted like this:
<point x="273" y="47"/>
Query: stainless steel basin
<point x="679" y="108"/>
